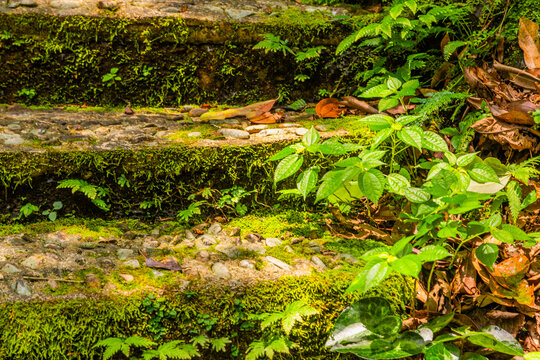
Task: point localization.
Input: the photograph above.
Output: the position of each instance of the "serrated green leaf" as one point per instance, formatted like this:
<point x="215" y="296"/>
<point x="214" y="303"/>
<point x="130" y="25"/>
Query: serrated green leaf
<point x="409" y="265"/>
<point x="333" y="180"/>
<point x="416" y="195"/>
<point x="487" y="254"/>
<point x="516" y="232"/>
<point x="381" y="136"/>
<point x="373" y="274"/>
<point x="283" y="153"/>
<point x="433" y="253"/>
<point x="434" y="142"/>
<point x="378" y="91"/>
<point x="411" y="136"/>
<point x="483" y="173"/>
<point x="502" y="235"/>
<point x="287" y="167"/>
<point x="371" y="185"/>
<point x="311" y="137"/>
<point x="466" y="159"/>
<point x="398" y="183"/>
<point x="393" y="83"/>
<point x="307" y="181"/>
<point x="377" y="122"/>
<point x="385" y="104"/>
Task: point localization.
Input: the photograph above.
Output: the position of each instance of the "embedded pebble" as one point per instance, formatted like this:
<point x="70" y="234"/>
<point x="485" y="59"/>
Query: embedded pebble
<point x="289" y="249"/>
<point x="272" y="242"/>
<point x="349" y="258"/>
<point x="272" y="132"/>
<point x="288" y="125"/>
<point x="53" y="284"/>
<point x="234" y="133"/>
<point x="10" y="269"/>
<point x="26" y="3"/>
<point x="33" y="262"/>
<point x="252" y="129"/>
<point x="126" y="277"/>
<point x="157" y="273"/>
<point x="259" y="249"/>
<point x="280" y="264"/>
<point x="124" y="254"/>
<point x="197" y="112"/>
<point x="190" y="235"/>
<point x="205" y="241"/>
<point x="321" y="128"/>
<point x="221" y="271"/>
<point x="107" y="5"/>
<point x="230" y="251"/>
<point x="318" y="262"/>
<point x="194" y="134"/>
<point x="235" y="231"/>
<point x="237" y="14"/>
<point x="21" y="288"/>
<point x="248" y="264"/>
<point x="215" y="228"/>
<point x="133" y="264"/>
<point x="65" y="4"/>
<point x="14" y="126"/>
<point x="301" y="131"/>
<point x="92" y="280"/>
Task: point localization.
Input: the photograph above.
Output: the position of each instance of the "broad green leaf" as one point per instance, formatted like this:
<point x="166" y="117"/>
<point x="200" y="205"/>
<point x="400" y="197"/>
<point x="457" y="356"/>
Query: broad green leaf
<point x="434" y="171"/>
<point x="396" y="10"/>
<point x="332" y="148"/>
<point x="378" y="91"/>
<point x="371" y="185"/>
<point x="487" y="254"/>
<point x="393" y="83"/>
<point x="333" y="180"/>
<point x="373" y="274"/>
<point x="495" y="338"/>
<point x="385" y="104"/>
<point x="377" y="122"/>
<point x="529" y="199"/>
<point x="372" y="154"/>
<point x="483" y="173"/>
<point x="466" y="159"/>
<point x="57" y="205"/>
<point x="450" y="158"/>
<point x="311" y="137"/>
<point x="434" y="142"/>
<point x="442" y="351"/>
<point x="381" y="136"/>
<point x="411" y="136"/>
<point x="416" y="195"/>
<point x="352" y="161"/>
<point x="407" y="119"/>
<point x="409" y="265"/>
<point x="433" y="253"/>
<point x="502" y="235"/>
<point x="287" y="167"/>
<point x="307" y="180"/>
<point x="516" y="232"/>
<point x="495" y="220"/>
<point x="439" y="323"/>
<point x="398" y="183"/>
<point x="283" y="153"/>
<point x="532" y="356"/>
<point x="474" y="356"/>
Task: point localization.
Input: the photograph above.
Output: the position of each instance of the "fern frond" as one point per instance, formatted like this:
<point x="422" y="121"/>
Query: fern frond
<point x="219" y="344"/>
<point x="172" y="350"/>
<point x="451" y="47"/>
<point x="73" y="184"/>
<point x="113" y="345"/>
<point x="139" y="341"/>
<point x="200" y="340"/>
<point x="346" y="43"/>
<point x="271" y="319"/>
<point x="294" y="313"/>
<point x="437" y="101"/>
<point x="255" y="350"/>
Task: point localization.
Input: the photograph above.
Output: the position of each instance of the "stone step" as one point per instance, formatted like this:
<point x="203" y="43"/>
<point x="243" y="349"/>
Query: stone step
<point x="147" y="162"/>
<point x="66" y="51"/>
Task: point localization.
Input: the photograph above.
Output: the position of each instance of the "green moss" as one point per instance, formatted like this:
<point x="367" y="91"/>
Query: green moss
<point x="69" y="329"/>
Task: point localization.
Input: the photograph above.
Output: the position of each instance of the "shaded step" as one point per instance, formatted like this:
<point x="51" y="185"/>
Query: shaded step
<point x="148" y="55"/>
<point x="87" y="281"/>
<point x="147" y="163"/>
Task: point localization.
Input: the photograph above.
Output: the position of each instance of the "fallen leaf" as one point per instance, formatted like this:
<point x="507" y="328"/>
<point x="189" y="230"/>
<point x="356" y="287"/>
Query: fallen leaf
<point x="266" y="118"/>
<point x="465" y="280"/>
<point x="250" y="112"/>
<point x="170" y="264"/>
<point x="352" y="102"/>
<point x="525" y="79"/>
<point x="529" y="43"/>
<point x="504" y="133"/>
<point x="329" y="108"/>
<point x="398" y="109"/>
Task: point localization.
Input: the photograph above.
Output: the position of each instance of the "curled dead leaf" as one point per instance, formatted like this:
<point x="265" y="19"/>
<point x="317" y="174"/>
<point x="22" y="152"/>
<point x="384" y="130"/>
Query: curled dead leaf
<point x="250" y="112"/>
<point x="329" y="108"/>
<point x="529" y="42"/>
<point x="354" y="103"/>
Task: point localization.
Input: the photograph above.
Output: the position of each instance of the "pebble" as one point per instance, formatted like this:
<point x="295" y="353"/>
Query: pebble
<point x="14" y="140"/>
<point x="21" y="288"/>
<point x="272" y="242"/>
<point x="10" y="269"/>
<point x="132" y="264"/>
<point x="288" y="249"/>
<point x="237" y="14"/>
<point x="92" y="281"/>
<point x="349" y="258"/>
<point x="215" y="229"/>
<point x="157" y="273"/>
<point x="288" y="125"/>
<point x="280" y="264"/>
<point x="221" y="271"/>
<point x="205" y="241"/>
<point x="301" y="131"/>
<point x="16" y="3"/>
<point x="33" y="262"/>
<point x="1" y="276"/>
<point x="194" y="134"/>
<point x="259" y="249"/>
<point x="65" y="4"/>
<point x="235" y="231"/>
<point x="126" y="277"/>
<point x="189" y="235"/>
<point x="321" y="128"/>
<point x="247" y="264"/>
<point x="202" y="255"/>
<point x="53" y="284"/>
<point x="318" y="263"/>
<point x="234" y="133"/>
<point x="14" y="126"/>
<point x="253" y="237"/>
<point x="272" y="132"/>
<point x="107" y="5"/>
<point x="252" y="129"/>
<point x="197" y="112"/>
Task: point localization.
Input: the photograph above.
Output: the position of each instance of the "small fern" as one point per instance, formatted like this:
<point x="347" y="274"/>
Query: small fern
<point x="273" y="43"/>
<point x="172" y="350"/>
<point x="114" y="345"/>
<point x="92" y="192"/>
<point x="437" y="101"/>
<point x="451" y="47"/>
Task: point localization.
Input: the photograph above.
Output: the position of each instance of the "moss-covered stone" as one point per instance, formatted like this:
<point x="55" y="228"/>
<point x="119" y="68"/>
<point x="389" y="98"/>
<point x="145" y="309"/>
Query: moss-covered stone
<point x="70" y="329"/>
<point x="162" y="61"/>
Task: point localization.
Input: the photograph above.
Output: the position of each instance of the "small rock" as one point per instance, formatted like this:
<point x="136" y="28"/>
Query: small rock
<point x="280" y="264"/>
<point x="190" y="235"/>
<point x="248" y="264"/>
<point x="288" y="249"/>
<point x="15" y="139"/>
<point x="186" y="108"/>
<point x="288" y="125"/>
<point x="202" y="255"/>
<point x="296" y="240"/>
<point x="171" y="10"/>
<point x="349" y="258"/>
<point x="33" y="262"/>
<point x="273" y="242"/>
<point x="126" y="277"/>
<point x="109" y="287"/>
<point x="252" y="129"/>
<point x="221" y="271"/>
<point x="92" y="281"/>
<point x="53" y="284"/>
<point x="259" y="249"/>
<point x="107" y="5"/>
<point x="194" y="134"/>
<point x="235" y="231"/>
<point x="1" y="276"/>
<point x="150" y="244"/>
<point x="230" y="251"/>
<point x="14" y="126"/>
<point x="254" y="237"/>
<point x="321" y="128"/>
<point x="237" y="14"/>
<point x="155" y="232"/>
<point x="65" y="4"/>
<point x="26" y="3"/>
<point x="106" y="263"/>
<point x="197" y="112"/>
<point x="132" y="264"/>
<point x="215" y="229"/>
<point x="301" y="131"/>
<point x="21" y="288"/>
<point x="234" y="133"/>
<point x="272" y="132"/>
<point x="124" y="254"/>
<point x="157" y="273"/>
<point x="318" y="263"/>
<point x="10" y="269"/>
<point x="205" y="241"/>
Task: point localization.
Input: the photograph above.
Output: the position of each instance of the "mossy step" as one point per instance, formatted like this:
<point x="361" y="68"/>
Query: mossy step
<point x="125" y="155"/>
<point x="188" y="57"/>
<point x="71" y="318"/>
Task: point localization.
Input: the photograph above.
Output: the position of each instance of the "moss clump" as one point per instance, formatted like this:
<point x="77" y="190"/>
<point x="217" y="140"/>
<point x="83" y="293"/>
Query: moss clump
<point x="70" y="329"/>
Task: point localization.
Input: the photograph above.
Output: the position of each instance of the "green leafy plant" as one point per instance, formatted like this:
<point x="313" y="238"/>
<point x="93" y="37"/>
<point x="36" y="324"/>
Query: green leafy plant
<point x="27" y="93"/>
<point x="92" y="192"/>
<point x="52" y="214"/>
<point x="193" y="209"/>
<point x="158" y="311"/>
<point x="369" y="330"/>
<point x="277" y="327"/>
<point x="27" y="210"/>
<point x="111" y="78"/>
<point x="170" y="350"/>
<point x="273" y="43"/>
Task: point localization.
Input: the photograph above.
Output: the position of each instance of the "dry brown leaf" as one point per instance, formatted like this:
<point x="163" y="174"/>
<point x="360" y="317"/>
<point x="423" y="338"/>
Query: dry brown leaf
<point x="170" y="264"/>
<point x="505" y="134"/>
<point x="465" y="280"/>
<point x="354" y="103"/>
<point x="329" y="108"/>
<point x="398" y="109"/>
<point x="525" y="79"/>
<point x="445" y="40"/>
<point x="529" y="43"/>
<point x="266" y="118"/>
